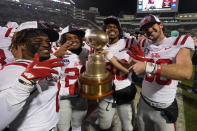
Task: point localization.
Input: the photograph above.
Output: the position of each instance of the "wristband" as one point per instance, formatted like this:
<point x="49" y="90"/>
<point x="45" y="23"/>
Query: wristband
<point x="109" y="56"/>
<point x="155" y="70"/>
<point x="158" y="69"/>
<point x="150" y="67"/>
<point x="26" y="82"/>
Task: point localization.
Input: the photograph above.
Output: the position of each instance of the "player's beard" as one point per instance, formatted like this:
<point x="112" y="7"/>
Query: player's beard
<point x="76" y="51"/>
<point x="155" y="37"/>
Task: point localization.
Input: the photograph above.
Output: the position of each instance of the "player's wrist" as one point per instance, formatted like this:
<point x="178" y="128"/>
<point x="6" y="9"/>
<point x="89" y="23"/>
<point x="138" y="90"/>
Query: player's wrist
<point x="28" y="83"/>
<point x="109" y="56"/>
<point x="150" y="67"/>
<point x="153" y="68"/>
<point x="158" y="71"/>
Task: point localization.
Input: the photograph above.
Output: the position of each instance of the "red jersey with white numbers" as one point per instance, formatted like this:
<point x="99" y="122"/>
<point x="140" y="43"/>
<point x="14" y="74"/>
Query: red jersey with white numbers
<point x="72" y="67"/>
<point x="155" y="87"/>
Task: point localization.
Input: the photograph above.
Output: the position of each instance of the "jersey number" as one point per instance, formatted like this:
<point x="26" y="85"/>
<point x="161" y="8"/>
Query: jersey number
<point x="71" y="77"/>
<point x="116" y="73"/>
<point x="151" y="77"/>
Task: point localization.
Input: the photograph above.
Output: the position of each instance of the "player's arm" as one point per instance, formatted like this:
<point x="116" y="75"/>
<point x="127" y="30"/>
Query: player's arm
<point x="182" y="69"/>
<point x="119" y="64"/>
<point x="12" y="101"/>
<point x="115" y="62"/>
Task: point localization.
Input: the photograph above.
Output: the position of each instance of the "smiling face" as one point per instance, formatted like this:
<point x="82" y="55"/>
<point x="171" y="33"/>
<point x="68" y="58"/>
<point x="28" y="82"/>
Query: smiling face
<point x="40" y="45"/>
<point x="44" y="48"/>
<point x="27" y="42"/>
<point x="112" y="32"/>
<point x="74" y="41"/>
<point x="154" y="31"/>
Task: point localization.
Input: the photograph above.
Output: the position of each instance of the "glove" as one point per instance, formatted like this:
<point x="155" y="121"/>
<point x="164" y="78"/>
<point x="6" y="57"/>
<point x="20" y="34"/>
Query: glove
<point x="137" y="53"/>
<point x="39" y="70"/>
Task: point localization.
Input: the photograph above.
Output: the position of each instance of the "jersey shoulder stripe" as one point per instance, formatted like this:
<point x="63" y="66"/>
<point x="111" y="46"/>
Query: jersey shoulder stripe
<point x="129" y="42"/>
<point x="184" y="39"/>
<point x="180" y="40"/>
<point x="8" y="32"/>
<point x="177" y="39"/>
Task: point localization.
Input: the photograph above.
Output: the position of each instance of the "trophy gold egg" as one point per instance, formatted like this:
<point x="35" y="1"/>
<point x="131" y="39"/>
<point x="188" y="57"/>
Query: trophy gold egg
<point x="96" y="39"/>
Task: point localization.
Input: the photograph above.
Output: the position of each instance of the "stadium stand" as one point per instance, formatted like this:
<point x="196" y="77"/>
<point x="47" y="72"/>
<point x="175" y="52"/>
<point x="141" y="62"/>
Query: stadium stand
<point x="63" y="14"/>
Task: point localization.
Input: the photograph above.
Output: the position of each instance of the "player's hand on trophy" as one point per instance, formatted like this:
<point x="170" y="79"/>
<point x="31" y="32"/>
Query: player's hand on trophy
<point x="137" y="52"/>
<point x="108" y="55"/>
<point x="37" y="70"/>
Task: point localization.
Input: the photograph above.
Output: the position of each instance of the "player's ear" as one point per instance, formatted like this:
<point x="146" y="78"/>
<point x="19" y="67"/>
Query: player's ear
<point x="17" y="52"/>
<point x="22" y="46"/>
<point x="161" y="25"/>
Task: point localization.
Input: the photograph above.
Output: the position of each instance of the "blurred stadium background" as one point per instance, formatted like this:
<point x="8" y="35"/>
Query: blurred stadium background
<point x="64" y="12"/>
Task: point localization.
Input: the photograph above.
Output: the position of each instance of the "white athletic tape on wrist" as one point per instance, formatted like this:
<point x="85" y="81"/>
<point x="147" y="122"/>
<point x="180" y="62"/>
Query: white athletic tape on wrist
<point x="150" y="67"/>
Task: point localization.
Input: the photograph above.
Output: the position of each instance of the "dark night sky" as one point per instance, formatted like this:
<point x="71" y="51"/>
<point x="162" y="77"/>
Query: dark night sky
<point x="114" y="7"/>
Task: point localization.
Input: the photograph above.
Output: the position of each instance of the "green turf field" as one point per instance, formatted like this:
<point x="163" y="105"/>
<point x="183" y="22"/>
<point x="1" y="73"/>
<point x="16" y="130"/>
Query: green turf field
<point x="190" y="105"/>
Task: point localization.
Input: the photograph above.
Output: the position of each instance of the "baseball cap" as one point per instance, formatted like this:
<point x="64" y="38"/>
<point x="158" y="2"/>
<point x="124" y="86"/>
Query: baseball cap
<point x="149" y="19"/>
<point x="72" y="29"/>
<point x="52" y="34"/>
<point x="112" y="20"/>
<point x="11" y="24"/>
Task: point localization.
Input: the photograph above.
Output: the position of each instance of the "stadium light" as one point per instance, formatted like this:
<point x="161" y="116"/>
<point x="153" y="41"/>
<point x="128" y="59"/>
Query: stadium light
<point x="16" y="0"/>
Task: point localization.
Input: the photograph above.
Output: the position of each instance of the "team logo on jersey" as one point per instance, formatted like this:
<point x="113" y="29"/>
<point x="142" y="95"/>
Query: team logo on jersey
<point x="77" y="63"/>
<point x="146" y="51"/>
<point x="155" y="55"/>
<point x="66" y="61"/>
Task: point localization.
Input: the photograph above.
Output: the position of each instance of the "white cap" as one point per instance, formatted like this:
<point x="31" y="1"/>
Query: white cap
<point x="12" y="24"/>
<point x="27" y="25"/>
<point x="52" y="34"/>
<point x="66" y="29"/>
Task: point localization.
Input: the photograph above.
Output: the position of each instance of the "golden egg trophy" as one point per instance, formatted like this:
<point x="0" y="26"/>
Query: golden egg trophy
<point x="96" y="81"/>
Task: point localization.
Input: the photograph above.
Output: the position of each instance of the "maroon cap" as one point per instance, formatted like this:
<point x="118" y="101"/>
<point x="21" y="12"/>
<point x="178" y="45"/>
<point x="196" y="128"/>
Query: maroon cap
<point x="147" y="20"/>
